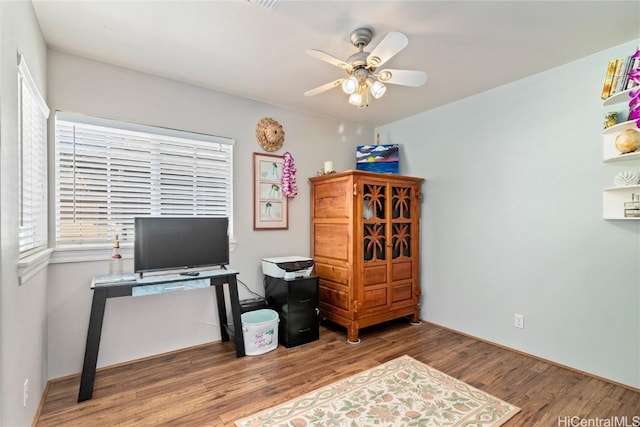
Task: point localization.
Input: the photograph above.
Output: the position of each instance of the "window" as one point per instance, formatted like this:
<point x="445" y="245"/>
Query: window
<point x="109" y="172"/>
<point x="32" y="165"/>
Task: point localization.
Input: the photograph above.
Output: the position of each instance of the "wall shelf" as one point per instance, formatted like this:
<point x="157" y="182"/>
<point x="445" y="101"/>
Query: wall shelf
<point x="619" y="127"/>
<point x="623" y="157"/>
<point x="613" y="198"/>
<point x="617" y="98"/>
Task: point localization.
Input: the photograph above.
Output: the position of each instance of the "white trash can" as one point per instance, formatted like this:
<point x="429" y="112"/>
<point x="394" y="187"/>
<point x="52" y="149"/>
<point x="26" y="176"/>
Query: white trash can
<point x="260" y="330"/>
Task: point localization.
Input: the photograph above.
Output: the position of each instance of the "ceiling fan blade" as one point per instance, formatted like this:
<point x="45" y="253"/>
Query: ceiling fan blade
<point x="388" y="47"/>
<point x="402" y="77"/>
<point x="324" y="87"/>
<point x="323" y="56"/>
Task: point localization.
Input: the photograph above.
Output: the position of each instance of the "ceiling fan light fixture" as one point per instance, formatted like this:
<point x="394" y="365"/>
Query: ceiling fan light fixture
<point x="377" y="89"/>
<point x="350" y="85"/>
<point x="364" y="79"/>
<point x="355" y="99"/>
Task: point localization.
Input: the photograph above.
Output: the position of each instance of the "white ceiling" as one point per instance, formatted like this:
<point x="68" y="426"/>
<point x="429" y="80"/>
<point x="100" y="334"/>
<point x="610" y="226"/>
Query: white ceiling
<point x="258" y="52"/>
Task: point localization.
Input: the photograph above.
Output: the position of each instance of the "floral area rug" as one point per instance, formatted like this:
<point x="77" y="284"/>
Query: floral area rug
<point x="401" y="392"/>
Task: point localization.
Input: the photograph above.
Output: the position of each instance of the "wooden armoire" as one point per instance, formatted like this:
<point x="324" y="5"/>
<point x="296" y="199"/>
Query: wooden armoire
<point x="365" y="241"/>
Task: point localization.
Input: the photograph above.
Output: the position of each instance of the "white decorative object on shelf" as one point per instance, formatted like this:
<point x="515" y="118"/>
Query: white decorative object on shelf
<point x="626" y="178"/>
<point x="628" y="141"/>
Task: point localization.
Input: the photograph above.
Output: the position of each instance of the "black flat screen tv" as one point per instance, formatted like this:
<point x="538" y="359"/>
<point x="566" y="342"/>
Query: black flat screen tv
<point x="171" y="243"/>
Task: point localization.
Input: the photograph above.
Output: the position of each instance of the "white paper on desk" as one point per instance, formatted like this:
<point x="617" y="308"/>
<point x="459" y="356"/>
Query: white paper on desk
<point x="169" y="287"/>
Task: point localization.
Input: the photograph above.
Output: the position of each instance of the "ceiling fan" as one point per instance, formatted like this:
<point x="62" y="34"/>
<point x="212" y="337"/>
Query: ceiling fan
<point x="362" y="68"/>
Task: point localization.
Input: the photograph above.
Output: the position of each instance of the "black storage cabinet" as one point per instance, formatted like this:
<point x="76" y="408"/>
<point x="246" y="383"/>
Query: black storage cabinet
<point x="296" y="301"/>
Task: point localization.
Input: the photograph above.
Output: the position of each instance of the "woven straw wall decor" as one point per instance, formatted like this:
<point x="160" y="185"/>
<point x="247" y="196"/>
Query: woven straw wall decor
<point x="270" y="134"/>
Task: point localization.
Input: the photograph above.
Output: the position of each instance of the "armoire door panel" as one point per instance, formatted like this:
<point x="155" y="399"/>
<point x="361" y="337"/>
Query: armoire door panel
<point x="401" y="270"/>
<point x="333" y="296"/>
<point x="333" y="273"/>
<point x="401" y="292"/>
<point x="400" y="240"/>
<point x="401" y="198"/>
<point x="332" y="200"/>
<point x="332" y="241"/>
<point x="375" y="200"/>
<point x="375" y="242"/>
<point x="375" y="275"/>
<point x="375" y="298"/>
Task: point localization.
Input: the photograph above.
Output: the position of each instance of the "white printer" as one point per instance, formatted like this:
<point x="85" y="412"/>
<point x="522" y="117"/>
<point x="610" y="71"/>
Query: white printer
<point x="287" y="267"/>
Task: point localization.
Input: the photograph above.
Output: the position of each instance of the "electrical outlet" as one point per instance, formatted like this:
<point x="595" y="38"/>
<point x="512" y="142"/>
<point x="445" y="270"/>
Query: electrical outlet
<point x="518" y="321"/>
<point x="25" y="392"/>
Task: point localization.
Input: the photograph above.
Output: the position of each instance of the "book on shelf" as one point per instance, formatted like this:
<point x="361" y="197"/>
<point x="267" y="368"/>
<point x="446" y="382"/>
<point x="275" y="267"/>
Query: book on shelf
<point x="632" y="213"/>
<point x="634" y="65"/>
<point x="624" y="76"/>
<point x="608" y="79"/>
<point x="617" y="74"/>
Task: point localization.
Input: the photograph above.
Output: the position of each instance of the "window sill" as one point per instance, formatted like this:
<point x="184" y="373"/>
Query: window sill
<point x="86" y="253"/>
<point x="32" y="264"/>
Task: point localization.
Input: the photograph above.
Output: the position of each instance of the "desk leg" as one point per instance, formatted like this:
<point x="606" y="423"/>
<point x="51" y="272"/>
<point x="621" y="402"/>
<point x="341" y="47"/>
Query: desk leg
<point x="222" y="312"/>
<point x="92" y="345"/>
<point x="237" y="320"/>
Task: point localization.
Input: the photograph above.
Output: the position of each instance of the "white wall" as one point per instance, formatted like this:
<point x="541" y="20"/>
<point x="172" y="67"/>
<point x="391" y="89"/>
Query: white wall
<point x="137" y="327"/>
<point x="22" y="308"/>
<point x="512" y="220"/>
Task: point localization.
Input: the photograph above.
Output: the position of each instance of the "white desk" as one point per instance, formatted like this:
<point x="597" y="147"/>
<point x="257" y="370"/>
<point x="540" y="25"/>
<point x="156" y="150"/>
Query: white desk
<point x="128" y="284"/>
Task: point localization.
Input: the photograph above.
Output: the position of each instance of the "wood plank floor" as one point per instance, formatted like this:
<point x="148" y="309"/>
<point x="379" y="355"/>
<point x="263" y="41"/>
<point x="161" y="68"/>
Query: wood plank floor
<point x="209" y="386"/>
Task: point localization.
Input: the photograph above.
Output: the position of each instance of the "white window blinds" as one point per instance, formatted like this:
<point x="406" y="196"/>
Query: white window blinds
<point x="109" y="172"/>
<point x="32" y="184"/>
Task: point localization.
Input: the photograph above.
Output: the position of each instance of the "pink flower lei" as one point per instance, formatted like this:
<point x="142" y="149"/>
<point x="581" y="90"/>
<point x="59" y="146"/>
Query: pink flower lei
<point x="634" y="103"/>
<point x="288" y="181"/>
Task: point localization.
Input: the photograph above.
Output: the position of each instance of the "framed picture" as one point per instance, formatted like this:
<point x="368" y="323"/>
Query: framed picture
<point x="270" y="208"/>
<point x="381" y="158"/>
